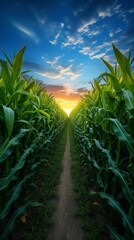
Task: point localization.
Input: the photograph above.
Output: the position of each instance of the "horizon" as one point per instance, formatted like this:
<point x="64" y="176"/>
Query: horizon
<point x="66" y="40"/>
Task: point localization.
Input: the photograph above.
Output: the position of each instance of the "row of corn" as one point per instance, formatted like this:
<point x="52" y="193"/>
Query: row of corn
<point x="104" y="124"/>
<point x="30" y="120"/>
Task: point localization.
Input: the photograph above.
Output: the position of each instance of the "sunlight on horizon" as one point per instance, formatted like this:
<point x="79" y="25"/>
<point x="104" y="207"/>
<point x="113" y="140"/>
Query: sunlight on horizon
<point x="68" y="111"/>
<point x="67" y="105"/>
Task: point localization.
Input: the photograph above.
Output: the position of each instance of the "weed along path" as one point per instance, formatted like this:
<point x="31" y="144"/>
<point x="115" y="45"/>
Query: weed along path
<point x="67" y="225"/>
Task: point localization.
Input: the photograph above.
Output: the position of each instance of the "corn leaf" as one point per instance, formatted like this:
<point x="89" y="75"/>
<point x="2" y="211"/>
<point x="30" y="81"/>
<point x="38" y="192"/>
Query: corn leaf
<point x="127" y="192"/>
<point x="122" y="134"/>
<point x="4" y="182"/>
<point x="17" y="64"/>
<point x="6" y="76"/>
<point x="8" y="146"/>
<point x="117" y="207"/>
<point x="9" y="119"/>
<point x="14" y="197"/>
<point x="114" y="234"/>
<point x="16" y="214"/>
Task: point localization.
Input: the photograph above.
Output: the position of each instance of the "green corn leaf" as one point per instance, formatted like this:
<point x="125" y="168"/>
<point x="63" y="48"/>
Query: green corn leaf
<point x="127" y="192"/>
<point x="28" y="123"/>
<point x="117" y="207"/>
<point x="17" y="64"/>
<point x="14" y="197"/>
<point x="113" y="80"/>
<point x="122" y="134"/>
<point x="9" y="119"/>
<point x="131" y="126"/>
<point x="6" y="76"/>
<point x="121" y="59"/>
<point x="8" y="60"/>
<point x="114" y="234"/>
<point x="109" y="66"/>
<point x="4" y="182"/>
<point x="125" y="68"/>
<point x="129" y="99"/>
<point x="44" y="113"/>
<point x="2" y="94"/>
<point x="7" y="148"/>
<point x="30" y="86"/>
<point x="16" y="214"/>
<point x="111" y="162"/>
<point x="23" y="92"/>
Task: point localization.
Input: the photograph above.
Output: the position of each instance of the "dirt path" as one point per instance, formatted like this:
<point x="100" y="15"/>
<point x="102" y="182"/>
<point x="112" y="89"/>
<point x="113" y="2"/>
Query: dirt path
<point x="67" y="225"/>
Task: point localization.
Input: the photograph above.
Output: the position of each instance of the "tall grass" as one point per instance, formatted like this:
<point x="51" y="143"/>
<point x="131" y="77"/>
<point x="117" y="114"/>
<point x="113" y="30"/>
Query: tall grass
<point x="104" y="124"/>
<point x="30" y="120"/>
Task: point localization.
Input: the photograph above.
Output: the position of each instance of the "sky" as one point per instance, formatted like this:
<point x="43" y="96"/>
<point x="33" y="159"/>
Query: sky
<point x="66" y="40"/>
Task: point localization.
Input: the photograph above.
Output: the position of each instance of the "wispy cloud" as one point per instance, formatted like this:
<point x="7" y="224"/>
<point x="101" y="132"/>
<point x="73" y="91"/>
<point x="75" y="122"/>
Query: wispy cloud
<point x="65" y="91"/>
<point x="96" y="51"/>
<point x="85" y="50"/>
<point x="93" y="32"/>
<point x="111" y="10"/>
<point x="60" y="72"/>
<point x="27" y="31"/>
<point x="72" y="75"/>
<point x="73" y="41"/>
<point x="55" y="40"/>
<point x="85" y="27"/>
<point x="50" y="74"/>
<point x="53" y="62"/>
<point x="98" y="55"/>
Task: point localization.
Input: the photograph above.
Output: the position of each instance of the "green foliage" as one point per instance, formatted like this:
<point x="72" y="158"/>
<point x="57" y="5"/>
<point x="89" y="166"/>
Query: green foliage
<point x="104" y="124"/>
<point x="30" y="121"/>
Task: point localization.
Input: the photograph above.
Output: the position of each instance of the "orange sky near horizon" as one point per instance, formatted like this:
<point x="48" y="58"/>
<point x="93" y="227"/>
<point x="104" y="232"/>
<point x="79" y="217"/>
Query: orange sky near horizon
<point x="67" y="105"/>
<point x="65" y="97"/>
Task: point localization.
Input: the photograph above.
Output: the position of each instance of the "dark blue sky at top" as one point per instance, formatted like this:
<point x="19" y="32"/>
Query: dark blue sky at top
<point x="65" y="39"/>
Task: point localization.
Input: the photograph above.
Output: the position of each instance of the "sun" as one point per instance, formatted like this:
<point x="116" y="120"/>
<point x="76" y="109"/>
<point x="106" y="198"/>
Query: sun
<point x="67" y="111"/>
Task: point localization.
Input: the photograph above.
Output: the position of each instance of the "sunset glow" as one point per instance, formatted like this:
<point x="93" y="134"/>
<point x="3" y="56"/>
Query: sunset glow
<point x="67" y="111"/>
<point x="66" y="40"/>
<point x="67" y="105"/>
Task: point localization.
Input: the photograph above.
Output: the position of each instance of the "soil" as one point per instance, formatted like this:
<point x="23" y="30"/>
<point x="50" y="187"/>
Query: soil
<point x="67" y="225"/>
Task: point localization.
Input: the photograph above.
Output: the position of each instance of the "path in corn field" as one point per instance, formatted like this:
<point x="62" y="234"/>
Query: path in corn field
<point x="67" y="225"/>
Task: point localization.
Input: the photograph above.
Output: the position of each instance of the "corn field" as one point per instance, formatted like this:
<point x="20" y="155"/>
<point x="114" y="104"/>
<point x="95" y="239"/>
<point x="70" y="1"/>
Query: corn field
<point x="30" y="121"/>
<point x="103" y="122"/>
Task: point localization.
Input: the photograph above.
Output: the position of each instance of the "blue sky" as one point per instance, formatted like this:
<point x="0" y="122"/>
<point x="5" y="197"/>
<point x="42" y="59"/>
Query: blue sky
<point x="66" y="39"/>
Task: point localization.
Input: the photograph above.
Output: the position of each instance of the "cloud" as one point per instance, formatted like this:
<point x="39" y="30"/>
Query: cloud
<point x="64" y="91"/>
<point x="62" y="24"/>
<point x="72" y="75"/>
<point x="111" y="34"/>
<point x="88" y="10"/>
<point x="28" y="32"/>
<point x="96" y="51"/>
<point x="54" y="61"/>
<point x="54" y="42"/>
<point x="50" y="74"/>
<point x="85" y="27"/>
<point x="73" y="41"/>
<point x="55" y="70"/>
<point x="85" y="50"/>
<point x="98" y="55"/>
<point x="32" y="66"/>
<point x="110" y="10"/>
<point x="60" y="72"/>
<point x="64" y="70"/>
<point x="93" y="33"/>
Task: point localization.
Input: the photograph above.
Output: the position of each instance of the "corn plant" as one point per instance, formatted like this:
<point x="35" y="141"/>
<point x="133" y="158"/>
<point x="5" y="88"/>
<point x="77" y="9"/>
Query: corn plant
<point x="104" y="125"/>
<point x="30" y="121"/>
